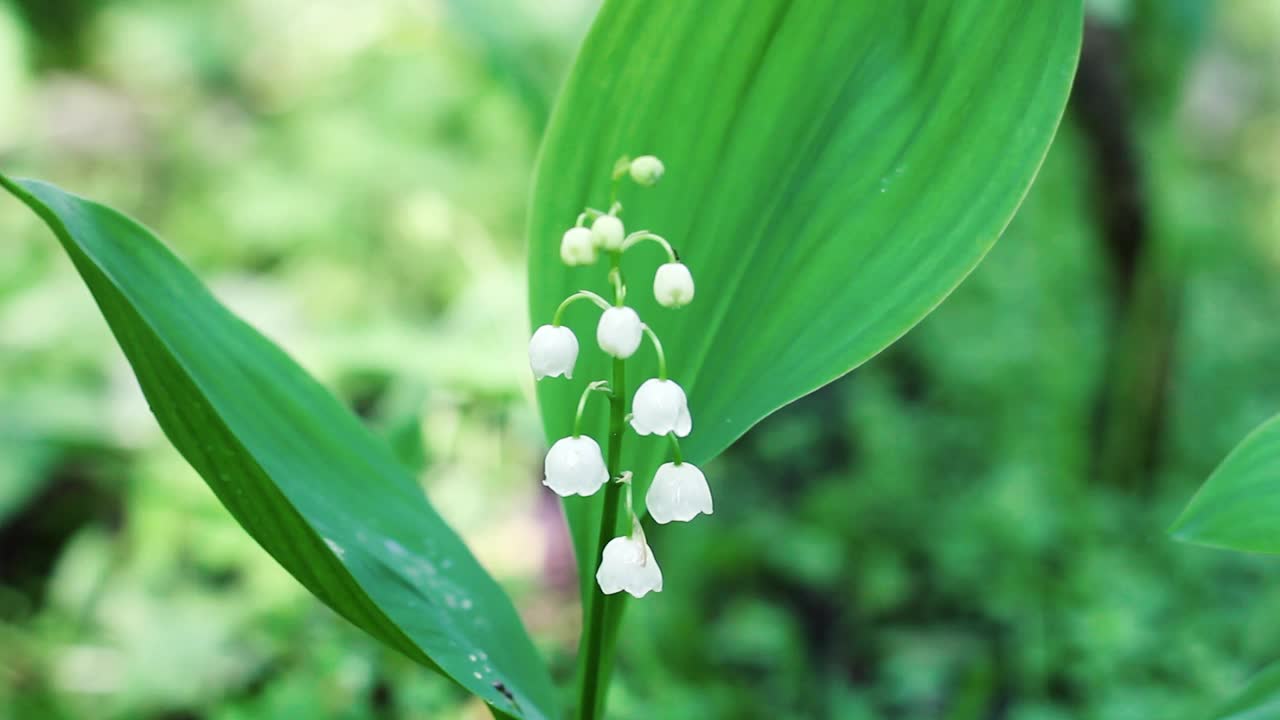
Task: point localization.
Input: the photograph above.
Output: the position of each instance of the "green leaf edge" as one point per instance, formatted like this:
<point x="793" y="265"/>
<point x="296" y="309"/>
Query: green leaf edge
<point x="379" y="625"/>
<point x="1264" y="678"/>
<point x="1180" y="531"/>
<point x="986" y="244"/>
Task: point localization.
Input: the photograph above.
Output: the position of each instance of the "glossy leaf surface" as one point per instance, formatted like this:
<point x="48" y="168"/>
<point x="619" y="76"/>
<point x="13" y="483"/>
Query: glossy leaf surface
<point x="833" y="170"/>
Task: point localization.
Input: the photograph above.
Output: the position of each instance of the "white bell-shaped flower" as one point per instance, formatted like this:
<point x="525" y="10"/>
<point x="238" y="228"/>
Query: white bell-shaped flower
<point x="673" y="285"/>
<point x="660" y="407"/>
<point x="553" y="350"/>
<point x="619" y="332"/>
<point x="679" y="492"/>
<point x="575" y="466"/>
<point x="608" y="232"/>
<point x="628" y="564"/>
<point x="577" y="247"/>
<point x="646" y="170"/>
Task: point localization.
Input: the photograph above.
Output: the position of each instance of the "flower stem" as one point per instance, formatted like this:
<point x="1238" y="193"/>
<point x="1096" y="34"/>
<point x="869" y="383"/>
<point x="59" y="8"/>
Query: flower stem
<point x="598" y="385"/>
<point x="580" y="295"/>
<point x="594" y="675"/>
<point x="615" y="279"/>
<point x="619" y="171"/>
<point x="657" y="347"/>
<point x="589" y="214"/>
<point x="675" y="449"/>
<point x="642" y="235"/>
<point x="602" y="611"/>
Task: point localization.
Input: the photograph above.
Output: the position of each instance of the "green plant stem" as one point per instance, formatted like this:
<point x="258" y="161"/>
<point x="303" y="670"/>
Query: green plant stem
<point x="580" y="295"/>
<point x="642" y="235"/>
<point x="597" y="386"/>
<point x="675" y="449"/>
<point x="594" y="678"/>
<point x="657" y="348"/>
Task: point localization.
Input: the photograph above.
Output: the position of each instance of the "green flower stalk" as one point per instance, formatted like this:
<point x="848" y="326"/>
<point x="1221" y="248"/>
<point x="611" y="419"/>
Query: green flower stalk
<point x="577" y="465"/>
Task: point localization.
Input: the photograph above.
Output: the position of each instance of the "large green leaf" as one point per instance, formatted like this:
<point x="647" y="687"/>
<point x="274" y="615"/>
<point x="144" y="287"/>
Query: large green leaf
<point x="1260" y="699"/>
<point x="834" y="170"/>
<point x="1239" y="506"/>
<point x="296" y="469"/>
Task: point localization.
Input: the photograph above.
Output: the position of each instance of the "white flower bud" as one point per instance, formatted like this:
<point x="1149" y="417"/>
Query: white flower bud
<point x="646" y="170"/>
<point x="608" y="232"/>
<point x="673" y="285"/>
<point x="553" y="350"/>
<point x="628" y="564"/>
<point x="619" y="332"/>
<point x="660" y="407"/>
<point x="679" y="492"/>
<point x="577" y="247"/>
<point x="575" y="466"/>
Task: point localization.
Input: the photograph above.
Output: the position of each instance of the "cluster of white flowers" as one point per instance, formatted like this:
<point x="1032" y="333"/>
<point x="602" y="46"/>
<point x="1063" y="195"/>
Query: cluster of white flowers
<point x="575" y="465"/>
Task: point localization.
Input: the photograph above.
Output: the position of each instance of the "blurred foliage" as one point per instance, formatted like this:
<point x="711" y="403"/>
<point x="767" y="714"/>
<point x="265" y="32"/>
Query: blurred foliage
<point x="924" y="539"/>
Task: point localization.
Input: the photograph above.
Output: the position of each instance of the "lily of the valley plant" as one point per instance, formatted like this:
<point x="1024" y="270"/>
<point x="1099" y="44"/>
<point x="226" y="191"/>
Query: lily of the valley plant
<point x="577" y="465"/>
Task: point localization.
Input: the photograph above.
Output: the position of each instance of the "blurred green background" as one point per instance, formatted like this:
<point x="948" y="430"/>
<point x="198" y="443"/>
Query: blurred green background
<point x="969" y="527"/>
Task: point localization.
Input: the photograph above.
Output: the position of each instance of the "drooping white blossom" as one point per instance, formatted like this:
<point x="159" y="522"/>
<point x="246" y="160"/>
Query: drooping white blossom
<point x="553" y="351"/>
<point x="679" y="492"/>
<point x="628" y="564"/>
<point x="660" y="407"/>
<point x="673" y="285"/>
<point x="575" y="466"/>
<point x="577" y="247"/>
<point x="619" y="332"/>
<point x="608" y="232"/>
<point x="646" y="170"/>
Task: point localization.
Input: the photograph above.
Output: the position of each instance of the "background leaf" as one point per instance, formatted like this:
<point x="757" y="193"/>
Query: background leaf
<point x="834" y="170"/>
<point x="1239" y="505"/>
<point x="1260" y="699"/>
<point x="296" y="469"/>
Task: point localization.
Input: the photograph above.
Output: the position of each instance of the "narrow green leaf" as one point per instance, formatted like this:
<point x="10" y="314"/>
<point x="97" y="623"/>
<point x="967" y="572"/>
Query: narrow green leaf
<point x="1238" y="508"/>
<point x="833" y="170"/>
<point x="303" y="476"/>
<point x="1260" y="699"/>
